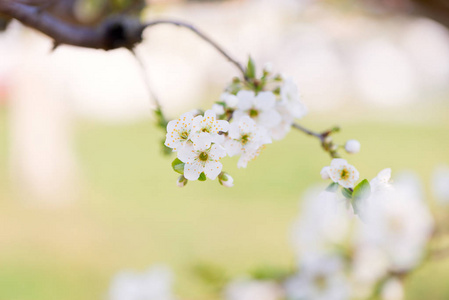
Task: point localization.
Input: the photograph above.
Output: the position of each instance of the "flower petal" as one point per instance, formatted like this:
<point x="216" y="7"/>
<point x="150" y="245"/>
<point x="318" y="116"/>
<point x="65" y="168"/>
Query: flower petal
<point x="192" y="170"/>
<point x="265" y="101"/>
<point x="246" y="100"/>
<point x="212" y="169"/>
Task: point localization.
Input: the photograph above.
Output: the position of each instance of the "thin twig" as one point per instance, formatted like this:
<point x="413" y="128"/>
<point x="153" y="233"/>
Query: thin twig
<point x="146" y="80"/>
<point x="204" y="37"/>
<point x="320" y="136"/>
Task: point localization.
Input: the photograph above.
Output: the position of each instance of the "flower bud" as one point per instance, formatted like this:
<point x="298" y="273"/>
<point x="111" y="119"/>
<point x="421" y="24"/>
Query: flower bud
<point x="225" y="179"/>
<point x="268" y="68"/>
<point x="182" y="181"/>
<point x="352" y="146"/>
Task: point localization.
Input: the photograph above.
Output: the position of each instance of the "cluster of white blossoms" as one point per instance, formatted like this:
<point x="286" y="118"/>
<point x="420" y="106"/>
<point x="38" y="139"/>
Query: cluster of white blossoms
<point x="354" y="240"/>
<point x="377" y="231"/>
<point x="246" y="118"/>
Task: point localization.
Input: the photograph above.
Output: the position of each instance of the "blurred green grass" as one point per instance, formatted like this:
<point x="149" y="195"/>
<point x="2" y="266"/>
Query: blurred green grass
<point x="131" y="214"/>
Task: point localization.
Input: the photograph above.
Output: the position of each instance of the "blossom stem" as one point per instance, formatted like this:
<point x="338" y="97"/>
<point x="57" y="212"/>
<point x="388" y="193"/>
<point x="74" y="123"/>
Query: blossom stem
<point x="161" y="119"/>
<point x="320" y="136"/>
<point x="327" y="146"/>
<point x="202" y="36"/>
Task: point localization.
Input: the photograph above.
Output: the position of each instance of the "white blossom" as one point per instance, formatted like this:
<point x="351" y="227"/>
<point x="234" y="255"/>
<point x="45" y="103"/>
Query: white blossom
<point x="341" y="172"/>
<point x="178" y="131"/>
<point x="206" y="130"/>
<point x="440" y="184"/>
<point x="245" y="138"/>
<point x="218" y="109"/>
<point x="230" y="100"/>
<point x="291" y="100"/>
<point x="260" y="107"/>
<point x="393" y="290"/>
<point x="382" y="181"/>
<point x="245" y="289"/>
<point x="369" y="264"/>
<point x="320" y="277"/>
<point x="398" y="223"/>
<point x="324" y="223"/>
<point x="352" y="146"/>
<point x="198" y="160"/>
<point x="380" y="188"/>
<point x="154" y="284"/>
<point x="279" y="131"/>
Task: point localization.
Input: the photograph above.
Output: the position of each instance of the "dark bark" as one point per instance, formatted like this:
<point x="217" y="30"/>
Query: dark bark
<point x="57" y="22"/>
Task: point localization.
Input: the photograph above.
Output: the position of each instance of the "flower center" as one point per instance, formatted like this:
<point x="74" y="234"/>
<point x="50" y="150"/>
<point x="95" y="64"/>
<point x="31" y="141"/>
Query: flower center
<point x="321" y="282"/>
<point x="184" y="135"/>
<point x="203" y="156"/>
<point x="245" y="139"/>
<point x="344" y="174"/>
<point x="206" y="129"/>
<point x="395" y="224"/>
<point x="253" y="113"/>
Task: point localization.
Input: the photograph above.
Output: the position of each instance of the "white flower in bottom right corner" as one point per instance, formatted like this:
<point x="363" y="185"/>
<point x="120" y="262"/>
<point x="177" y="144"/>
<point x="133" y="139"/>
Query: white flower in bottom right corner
<point x="399" y="223"/>
<point x="321" y="277"/>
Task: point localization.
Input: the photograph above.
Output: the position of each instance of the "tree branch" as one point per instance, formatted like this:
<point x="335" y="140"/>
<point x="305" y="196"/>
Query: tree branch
<point x="116" y="32"/>
<point x="202" y="36"/>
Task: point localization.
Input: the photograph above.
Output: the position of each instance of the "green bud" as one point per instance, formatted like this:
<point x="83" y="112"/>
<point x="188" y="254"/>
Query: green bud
<point x="225" y="179"/>
<point x="182" y="181"/>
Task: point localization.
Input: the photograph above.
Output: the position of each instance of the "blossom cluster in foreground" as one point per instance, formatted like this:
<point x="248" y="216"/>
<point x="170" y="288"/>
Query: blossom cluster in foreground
<point x="246" y="118"/>
<point x="251" y="113"/>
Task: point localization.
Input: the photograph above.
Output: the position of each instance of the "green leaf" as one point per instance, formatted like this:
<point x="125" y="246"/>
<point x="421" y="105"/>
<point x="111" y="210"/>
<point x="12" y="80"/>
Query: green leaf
<point x="333" y="187"/>
<point x="251" y="68"/>
<point x="347" y="193"/>
<point x="202" y="177"/>
<point x="361" y="192"/>
<point x="270" y="273"/>
<point x="178" y="166"/>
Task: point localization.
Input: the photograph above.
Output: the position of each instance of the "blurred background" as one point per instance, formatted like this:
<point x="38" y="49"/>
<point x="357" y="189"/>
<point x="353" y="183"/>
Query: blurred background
<point x="85" y="191"/>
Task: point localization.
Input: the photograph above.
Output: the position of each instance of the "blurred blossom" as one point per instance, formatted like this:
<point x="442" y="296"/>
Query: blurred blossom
<point x="154" y="284"/>
<point x="246" y="289"/>
<point x="393" y="290"/>
<point x="440" y="184"/>
<point x="399" y="223"/>
<point x="324" y="221"/>
<point x="320" y="277"/>
<point x="380" y="188"/>
<point x="369" y="265"/>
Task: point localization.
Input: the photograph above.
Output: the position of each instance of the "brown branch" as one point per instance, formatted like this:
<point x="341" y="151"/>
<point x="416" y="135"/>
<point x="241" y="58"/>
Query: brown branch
<point x="112" y="33"/>
<point x="204" y="37"/>
<point x="324" y="138"/>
